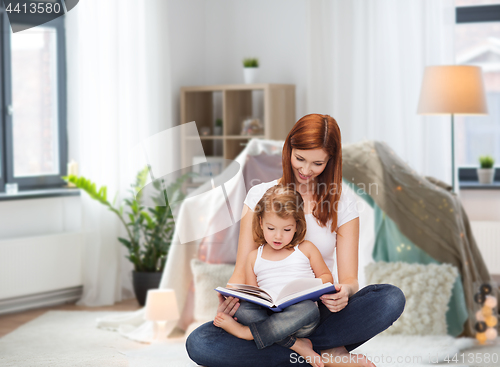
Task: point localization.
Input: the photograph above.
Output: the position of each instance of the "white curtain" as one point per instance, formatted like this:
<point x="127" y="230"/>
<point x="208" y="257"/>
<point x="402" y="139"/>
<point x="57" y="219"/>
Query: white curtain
<point x="118" y="94"/>
<point x="365" y="64"/>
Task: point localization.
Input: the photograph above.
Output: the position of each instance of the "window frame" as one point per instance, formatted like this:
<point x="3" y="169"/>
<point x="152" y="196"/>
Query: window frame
<point x="6" y="119"/>
<point x="476" y="14"/>
<point x="3" y="112"/>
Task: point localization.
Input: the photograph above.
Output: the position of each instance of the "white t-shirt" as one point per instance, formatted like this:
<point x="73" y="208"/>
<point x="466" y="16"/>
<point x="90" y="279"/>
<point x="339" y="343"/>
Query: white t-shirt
<point x="321" y="237"/>
<point x="273" y="275"/>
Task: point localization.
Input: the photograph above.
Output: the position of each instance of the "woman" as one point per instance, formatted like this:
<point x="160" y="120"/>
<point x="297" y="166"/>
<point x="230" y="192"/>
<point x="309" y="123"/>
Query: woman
<point x="312" y="161"/>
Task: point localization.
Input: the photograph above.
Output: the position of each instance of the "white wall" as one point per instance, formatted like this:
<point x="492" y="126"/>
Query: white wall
<point x="38" y="236"/>
<point x="273" y="31"/>
<point x="481" y="205"/>
<point x="186" y="39"/>
<point x="37" y="217"/>
<point x="210" y="38"/>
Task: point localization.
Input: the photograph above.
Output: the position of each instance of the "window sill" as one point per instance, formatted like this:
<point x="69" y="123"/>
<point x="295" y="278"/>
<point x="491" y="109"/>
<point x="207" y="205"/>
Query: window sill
<point x="475" y="185"/>
<point x="41" y="193"/>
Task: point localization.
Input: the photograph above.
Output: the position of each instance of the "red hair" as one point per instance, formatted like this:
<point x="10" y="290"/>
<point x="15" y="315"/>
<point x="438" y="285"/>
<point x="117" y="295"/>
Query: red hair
<point x="316" y="131"/>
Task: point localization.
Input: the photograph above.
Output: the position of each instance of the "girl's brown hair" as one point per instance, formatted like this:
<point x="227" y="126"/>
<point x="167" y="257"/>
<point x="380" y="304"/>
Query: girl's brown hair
<point x="284" y="201"/>
<point x="318" y="132"/>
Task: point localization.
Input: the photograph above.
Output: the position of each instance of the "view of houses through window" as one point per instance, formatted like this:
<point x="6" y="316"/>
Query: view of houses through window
<point x="479" y="44"/>
<point x="34" y="102"/>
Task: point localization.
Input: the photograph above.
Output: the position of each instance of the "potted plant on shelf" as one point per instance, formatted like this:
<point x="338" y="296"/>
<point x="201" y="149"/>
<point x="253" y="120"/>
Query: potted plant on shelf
<point x="149" y="232"/>
<point x="250" y="70"/>
<point x="486" y="173"/>
<point x="218" y="127"/>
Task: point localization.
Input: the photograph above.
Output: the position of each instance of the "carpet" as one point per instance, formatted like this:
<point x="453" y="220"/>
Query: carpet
<point x="71" y="338"/>
<point x="65" y="338"/>
<point x="413" y="350"/>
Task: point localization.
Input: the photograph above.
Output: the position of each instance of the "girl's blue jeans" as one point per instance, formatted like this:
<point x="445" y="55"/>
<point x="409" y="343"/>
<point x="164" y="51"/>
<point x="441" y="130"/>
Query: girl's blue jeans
<point x="369" y="312"/>
<point x="268" y="327"/>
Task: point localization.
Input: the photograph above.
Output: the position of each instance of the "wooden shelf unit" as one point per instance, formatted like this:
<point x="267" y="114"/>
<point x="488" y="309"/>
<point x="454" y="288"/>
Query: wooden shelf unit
<point x="273" y="104"/>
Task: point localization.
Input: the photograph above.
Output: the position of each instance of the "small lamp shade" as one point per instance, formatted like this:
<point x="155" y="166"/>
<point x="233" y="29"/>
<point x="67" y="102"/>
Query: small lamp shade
<point x="161" y="305"/>
<point x="452" y="89"/>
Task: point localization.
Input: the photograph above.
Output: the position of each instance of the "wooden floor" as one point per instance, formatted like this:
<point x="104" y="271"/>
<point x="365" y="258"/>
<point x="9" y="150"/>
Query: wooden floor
<point x="11" y="322"/>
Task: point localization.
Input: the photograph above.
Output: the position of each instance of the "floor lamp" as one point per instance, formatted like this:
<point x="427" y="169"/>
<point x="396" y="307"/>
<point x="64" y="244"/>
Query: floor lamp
<point x="455" y="90"/>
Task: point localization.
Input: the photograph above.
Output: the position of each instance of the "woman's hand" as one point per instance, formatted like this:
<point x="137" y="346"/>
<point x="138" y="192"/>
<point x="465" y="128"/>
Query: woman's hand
<point x="337" y="301"/>
<point x="228" y="305"/>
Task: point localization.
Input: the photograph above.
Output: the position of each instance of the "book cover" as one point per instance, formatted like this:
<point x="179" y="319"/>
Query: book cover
<point x="296" y="291"/>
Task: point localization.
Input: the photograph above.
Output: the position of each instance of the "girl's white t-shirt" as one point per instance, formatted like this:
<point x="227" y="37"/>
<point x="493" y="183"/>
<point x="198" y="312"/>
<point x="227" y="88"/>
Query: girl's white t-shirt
<point x="321" y="237"/>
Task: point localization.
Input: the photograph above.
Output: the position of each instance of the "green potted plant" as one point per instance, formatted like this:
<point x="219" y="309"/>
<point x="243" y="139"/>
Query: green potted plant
<point x="486" y="173"/>
<point x="149" y="230"/>
<point x="250" y="69"/>
<point x="218" y="127"/>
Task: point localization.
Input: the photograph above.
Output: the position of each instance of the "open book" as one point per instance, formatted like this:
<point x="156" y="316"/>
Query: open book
<point x="296" y="291"/>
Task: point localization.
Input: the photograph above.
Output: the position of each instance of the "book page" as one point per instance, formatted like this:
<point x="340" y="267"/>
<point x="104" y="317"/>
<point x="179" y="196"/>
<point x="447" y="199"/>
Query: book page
<point x="305" y="292"/>
<point x="245" y="296"/>
<point x="251" y="289"/>
<point x="296" y="286"/>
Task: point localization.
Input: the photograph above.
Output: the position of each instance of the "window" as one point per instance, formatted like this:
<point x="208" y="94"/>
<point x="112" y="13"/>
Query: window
<point x="33" y="142"/>
<point x="477" y="42"/>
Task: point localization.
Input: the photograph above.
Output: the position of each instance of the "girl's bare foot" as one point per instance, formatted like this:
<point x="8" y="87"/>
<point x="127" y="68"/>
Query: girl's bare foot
<point x="303" y="346"/>
<point x="340" y="357"/>
<point x="233" y="327"/>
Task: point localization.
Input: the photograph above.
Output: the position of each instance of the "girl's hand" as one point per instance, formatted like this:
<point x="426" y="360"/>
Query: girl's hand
<point x="228" y="305"/>
<point x="337" y="301"/>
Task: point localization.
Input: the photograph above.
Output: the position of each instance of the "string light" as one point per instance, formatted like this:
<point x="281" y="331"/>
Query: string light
<point x="490" y="301"/>
<point x="486" y="317"/>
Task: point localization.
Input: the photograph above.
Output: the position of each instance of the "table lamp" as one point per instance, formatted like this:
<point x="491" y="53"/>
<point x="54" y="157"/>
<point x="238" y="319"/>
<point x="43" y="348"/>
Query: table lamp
<point x="161" y="306"/>
<point x="455" y="90"/>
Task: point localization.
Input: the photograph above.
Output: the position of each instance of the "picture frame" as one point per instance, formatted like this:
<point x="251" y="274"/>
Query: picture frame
<point x="206" y="167"/>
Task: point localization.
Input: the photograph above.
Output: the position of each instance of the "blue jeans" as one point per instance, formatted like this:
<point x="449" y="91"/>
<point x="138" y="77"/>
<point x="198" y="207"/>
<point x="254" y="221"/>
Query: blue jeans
<point x="369" y="312"/>
<point x="283" y="328"/>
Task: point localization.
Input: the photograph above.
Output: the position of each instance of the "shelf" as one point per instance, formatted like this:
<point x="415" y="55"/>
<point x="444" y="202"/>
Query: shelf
<point x="205" y="137"/>
<point x="41" y="193"/>
<point x="273" y="104"/>
<point x="475" y="185"/>
<point x="226" y="87"/>
<point x="247" y="137"/>
<point x="218" y="137"/>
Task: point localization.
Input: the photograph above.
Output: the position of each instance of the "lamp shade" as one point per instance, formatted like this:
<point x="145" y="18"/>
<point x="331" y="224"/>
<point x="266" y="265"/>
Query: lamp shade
<point x="161" y="305"/>
<point x="452" y="89"/>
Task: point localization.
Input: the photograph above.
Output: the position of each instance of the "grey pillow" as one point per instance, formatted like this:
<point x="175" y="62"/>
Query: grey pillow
<point x="206" y="278"/>
<point x="427" y="289"/>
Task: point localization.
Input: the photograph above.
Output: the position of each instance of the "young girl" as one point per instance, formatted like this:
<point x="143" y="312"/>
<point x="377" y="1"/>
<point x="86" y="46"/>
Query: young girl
<point x="279" y="224"/>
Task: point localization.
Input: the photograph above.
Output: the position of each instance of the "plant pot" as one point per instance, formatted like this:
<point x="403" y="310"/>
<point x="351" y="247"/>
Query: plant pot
<point x="249" y="75"/>
<point x="486" y="175"/>
<point x="218" y="130"/>
<point x="144" y="281"/>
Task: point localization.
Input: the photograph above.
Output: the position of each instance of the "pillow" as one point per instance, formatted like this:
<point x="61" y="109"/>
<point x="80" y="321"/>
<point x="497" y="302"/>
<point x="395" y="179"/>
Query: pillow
<point x="427" y="289"/>
<point x="206" y="278"/>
